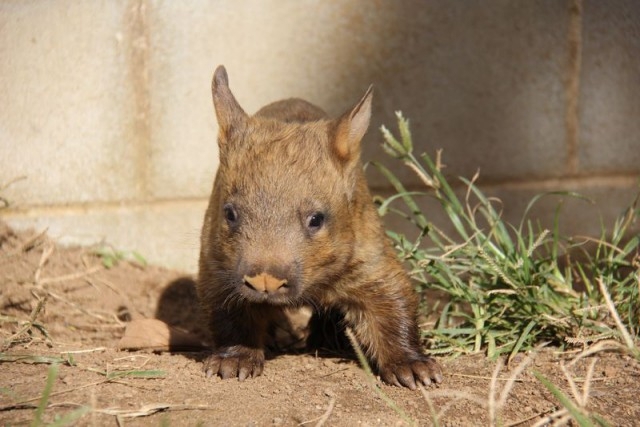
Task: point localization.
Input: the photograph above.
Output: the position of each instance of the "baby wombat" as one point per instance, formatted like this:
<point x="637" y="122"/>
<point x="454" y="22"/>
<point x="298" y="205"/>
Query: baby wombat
<point x="291" y="223"/>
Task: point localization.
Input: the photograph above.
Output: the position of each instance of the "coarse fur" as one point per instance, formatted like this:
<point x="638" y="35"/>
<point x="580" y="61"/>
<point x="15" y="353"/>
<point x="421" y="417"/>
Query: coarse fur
<point x="291" y="223"/>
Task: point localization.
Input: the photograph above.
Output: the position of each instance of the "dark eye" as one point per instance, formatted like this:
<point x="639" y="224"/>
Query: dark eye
<point x="315" y="221"/>
<point x="230" y="214"/>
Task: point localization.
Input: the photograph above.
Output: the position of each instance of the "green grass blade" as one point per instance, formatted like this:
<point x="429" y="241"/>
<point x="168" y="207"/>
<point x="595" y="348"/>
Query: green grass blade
<point x="44" y="399"/>
<point x="601" y="421"/>
<point x="405" y="133"/>
<point x="71" y="418"/>
<point x="136" y="374"/>
<point x="365" y="365"/>
<point x="139" y="258"/>
<point x="521" y="339"/>
<point x="565" y="401"/>
<point x="383" y="208"/>
<point x="33" y="359"/>
<point x="491" y="347"/>
<point x="392" y="146"/>
<point x="406" y="197"/>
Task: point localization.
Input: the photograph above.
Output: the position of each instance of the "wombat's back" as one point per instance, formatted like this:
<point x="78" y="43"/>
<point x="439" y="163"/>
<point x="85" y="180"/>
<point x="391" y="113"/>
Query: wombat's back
<point x="292" y="110"/>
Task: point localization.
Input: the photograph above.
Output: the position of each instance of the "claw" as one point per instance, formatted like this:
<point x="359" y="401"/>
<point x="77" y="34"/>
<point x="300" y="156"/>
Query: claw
<point x="244" y="373"/>
<point x="438" y="378"/>
<point x="390" y="378"/>
<point x="228" y="368"/>
<point x="257" y="370"/>
<point x="435" y="370"/>
<point x="408" y="374"/>
<point x="405" y="376"/>
<point x="239" y="363"/>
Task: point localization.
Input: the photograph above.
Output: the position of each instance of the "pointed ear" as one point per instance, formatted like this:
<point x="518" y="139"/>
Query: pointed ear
<point x="351" y="128"/>
<point x="228" y="111"/>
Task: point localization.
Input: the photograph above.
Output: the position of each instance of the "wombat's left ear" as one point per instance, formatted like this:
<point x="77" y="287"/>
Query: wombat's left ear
<point x="228" y="111"/>
<point x="351" y="128"/>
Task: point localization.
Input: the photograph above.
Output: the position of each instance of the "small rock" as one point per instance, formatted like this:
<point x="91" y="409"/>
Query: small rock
<point x="610" y="371"/>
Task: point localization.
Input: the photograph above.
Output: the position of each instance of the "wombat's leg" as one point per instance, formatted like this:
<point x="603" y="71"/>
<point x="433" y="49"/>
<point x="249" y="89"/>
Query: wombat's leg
<point x="386" y="327"/>
<point x="290" y="329"/>
<point x="239" y="338"/>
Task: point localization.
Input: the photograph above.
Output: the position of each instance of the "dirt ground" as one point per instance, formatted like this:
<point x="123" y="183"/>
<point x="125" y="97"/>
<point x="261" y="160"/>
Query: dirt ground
<point x="88" y="307"/>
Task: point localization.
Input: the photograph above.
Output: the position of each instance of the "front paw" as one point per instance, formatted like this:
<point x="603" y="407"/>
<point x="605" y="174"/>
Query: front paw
<point x="424" y="370"/>
<point x="235" y="361"/>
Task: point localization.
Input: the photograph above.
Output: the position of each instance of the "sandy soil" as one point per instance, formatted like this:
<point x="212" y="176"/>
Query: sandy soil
<point x="88" y="307"/>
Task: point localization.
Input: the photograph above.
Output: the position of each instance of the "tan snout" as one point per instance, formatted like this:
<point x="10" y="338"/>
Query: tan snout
<point x="264" y="282"/>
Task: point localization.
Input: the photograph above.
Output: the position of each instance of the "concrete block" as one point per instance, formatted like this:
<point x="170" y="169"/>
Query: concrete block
<point x="67" y="110"/>
<point x="483" y="81"/>
<point x="610" y="88"/>
<point x="183" y="130"/>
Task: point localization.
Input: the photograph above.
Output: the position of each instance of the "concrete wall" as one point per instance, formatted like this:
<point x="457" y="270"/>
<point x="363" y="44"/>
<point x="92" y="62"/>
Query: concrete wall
<point x="106" y="112"/>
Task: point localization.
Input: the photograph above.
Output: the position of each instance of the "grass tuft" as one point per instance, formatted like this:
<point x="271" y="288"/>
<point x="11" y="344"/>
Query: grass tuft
<point x="110" y="256"/>
<point x="510" y="287"/>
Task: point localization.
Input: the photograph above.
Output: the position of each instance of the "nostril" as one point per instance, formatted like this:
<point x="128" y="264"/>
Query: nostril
<point x="283" y="289"/>
<point x="273" y="284"/>
<point x="255" y="282"/>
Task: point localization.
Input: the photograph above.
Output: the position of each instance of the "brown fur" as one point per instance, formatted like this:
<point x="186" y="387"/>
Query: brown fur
<point x="291" y="223"/>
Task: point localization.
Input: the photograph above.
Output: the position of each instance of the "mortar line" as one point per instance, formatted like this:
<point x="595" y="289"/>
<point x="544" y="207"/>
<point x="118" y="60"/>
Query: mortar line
<point x="560" y="183"/>
<point x="572" y="88"/>
<point x="563" y="183"/>
<point x="103" y="206"/>
<point x="140" y="81"/>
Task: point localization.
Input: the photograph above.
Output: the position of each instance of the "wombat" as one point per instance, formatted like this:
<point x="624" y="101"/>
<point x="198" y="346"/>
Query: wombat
<point x="291" y="223"/>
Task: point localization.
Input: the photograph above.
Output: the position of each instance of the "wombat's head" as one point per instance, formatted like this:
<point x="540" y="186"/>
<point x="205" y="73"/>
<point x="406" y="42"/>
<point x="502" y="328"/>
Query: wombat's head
<point x="280" y="224"/>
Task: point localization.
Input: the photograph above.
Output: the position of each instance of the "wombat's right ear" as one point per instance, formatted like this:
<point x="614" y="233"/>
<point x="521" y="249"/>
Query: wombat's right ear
<point x="229" y="113"/>
<point x="351" y="127"/>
